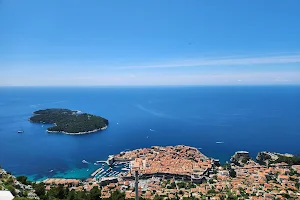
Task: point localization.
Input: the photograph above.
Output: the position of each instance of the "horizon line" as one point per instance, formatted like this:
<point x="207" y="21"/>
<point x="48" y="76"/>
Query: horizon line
<point x="111" y="86"/>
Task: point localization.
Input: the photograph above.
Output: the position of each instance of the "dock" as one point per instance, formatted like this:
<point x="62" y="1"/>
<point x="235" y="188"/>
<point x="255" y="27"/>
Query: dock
<point x="97" y="171"/>
<point x="101" y="161"/>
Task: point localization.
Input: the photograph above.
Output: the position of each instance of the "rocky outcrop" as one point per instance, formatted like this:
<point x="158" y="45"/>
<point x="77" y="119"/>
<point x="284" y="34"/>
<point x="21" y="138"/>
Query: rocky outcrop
<point x="273" y="158"/>
<point x="240" y="158"/>
<point x="263" y="157"/>
<point x="16" y="186"/>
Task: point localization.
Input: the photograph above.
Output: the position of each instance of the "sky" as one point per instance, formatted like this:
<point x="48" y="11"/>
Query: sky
<point x="152" y="42"/>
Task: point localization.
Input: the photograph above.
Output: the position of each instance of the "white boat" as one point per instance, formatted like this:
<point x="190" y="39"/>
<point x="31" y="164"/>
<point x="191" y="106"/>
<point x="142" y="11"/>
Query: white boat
<point x="125" y="169"/>
<point x="85" y="162"/>
<point x="151" y="130"/>
<point x="219" y="142"/>
<point x="20" y="131"/>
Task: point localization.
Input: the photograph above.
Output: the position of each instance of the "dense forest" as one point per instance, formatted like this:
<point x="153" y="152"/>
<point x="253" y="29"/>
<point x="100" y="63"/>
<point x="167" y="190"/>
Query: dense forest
<point x="69" y="121"/>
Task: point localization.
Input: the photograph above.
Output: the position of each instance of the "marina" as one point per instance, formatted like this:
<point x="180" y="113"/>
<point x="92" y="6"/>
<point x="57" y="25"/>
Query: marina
<point x="113" y="170"/>
<point x="98" y="171"/>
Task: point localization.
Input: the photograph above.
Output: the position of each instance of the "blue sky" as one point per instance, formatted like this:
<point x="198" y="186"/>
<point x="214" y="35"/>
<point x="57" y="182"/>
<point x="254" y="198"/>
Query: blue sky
<point x="155" y="42"/>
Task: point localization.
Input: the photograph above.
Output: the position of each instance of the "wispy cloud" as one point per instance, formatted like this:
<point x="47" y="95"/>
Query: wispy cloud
<point x="185" y="72"/>
<point x="155" y="78"/>
<point x="221" y="62"/>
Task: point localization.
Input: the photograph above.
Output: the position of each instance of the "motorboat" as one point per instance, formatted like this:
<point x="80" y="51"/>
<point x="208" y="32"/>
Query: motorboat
<point x="85" y="162"/>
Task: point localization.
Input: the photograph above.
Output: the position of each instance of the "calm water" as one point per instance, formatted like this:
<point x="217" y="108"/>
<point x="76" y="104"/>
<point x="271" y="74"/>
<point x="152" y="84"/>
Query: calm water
<point x="244" y="118"/>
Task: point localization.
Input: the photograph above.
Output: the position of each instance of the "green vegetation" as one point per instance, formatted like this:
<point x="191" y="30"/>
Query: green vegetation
<point x="244" y="160"/>
<point x="243" y="193"/>
<point x="294" y="160"/>
<point x="186" y="185"/>
<point x="211" y="191"/>
<point x="232" y="173"/>
<point x="286" y="196"/>
<point x="39" y="189"/>
<point x="171" y="186"/>
<point x="264" y="158"/>
<point x="61" y="193"/>
<point x="12" y="189"/>
<point x="22" y="179"/>
<point x="69" y="121"/>
<point x="211" y="181"/>
<point x="297" y="185"/>
<point x="158" y="197"/>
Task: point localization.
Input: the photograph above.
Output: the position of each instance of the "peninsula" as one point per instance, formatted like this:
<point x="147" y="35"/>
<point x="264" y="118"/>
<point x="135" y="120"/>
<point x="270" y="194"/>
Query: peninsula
<point x="69" y="121"/>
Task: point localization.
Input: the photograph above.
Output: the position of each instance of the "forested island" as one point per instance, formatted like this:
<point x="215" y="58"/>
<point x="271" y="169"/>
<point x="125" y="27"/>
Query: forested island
<point x="69" y="121"/>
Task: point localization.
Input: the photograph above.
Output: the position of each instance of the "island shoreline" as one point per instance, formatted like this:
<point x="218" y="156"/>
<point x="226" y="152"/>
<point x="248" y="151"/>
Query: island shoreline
<point x="79" y="133"/>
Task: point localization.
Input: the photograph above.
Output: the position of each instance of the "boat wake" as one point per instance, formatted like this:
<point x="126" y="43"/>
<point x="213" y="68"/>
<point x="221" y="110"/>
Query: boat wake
<point x="154" y="112"/>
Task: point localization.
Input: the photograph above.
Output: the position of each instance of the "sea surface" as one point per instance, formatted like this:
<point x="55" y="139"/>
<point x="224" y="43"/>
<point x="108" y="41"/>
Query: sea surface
<point x="260" y="118"/>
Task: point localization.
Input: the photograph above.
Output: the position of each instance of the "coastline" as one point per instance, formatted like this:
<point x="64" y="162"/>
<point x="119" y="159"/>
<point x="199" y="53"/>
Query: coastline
<point x="119" y="160"/>
<point x="79" y="133"/>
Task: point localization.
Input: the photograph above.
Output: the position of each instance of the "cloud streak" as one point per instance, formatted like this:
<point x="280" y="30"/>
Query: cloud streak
<point x="221" y="62"/>
<point x="215" y="71"/>
<point x="156" y="78"/>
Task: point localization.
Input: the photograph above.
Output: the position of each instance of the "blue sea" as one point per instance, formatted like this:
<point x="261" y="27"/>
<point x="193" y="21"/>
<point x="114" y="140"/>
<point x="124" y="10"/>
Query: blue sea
<point x="251" y="118"/>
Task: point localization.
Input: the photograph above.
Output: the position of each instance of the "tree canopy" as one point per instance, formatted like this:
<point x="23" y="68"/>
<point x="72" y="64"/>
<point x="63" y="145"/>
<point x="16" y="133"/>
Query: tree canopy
<point x="69" y="121"/>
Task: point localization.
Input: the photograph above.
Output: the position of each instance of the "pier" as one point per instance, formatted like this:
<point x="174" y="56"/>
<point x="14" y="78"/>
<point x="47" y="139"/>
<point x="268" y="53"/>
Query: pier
<point x="97" y="171"/>
<point x="101" y="161"/>
<point x="109" y="161"/>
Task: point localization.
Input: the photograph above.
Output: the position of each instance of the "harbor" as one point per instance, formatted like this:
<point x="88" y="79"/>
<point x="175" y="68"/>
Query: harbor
<point x="110" y="168"/>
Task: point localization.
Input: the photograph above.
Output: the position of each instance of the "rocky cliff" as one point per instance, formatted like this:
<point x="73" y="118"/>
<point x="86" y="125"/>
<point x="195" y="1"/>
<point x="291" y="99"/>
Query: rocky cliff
<point x="272" y="158"/>
<point x="263" y="157"/>
<point x="240" y="158"/>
